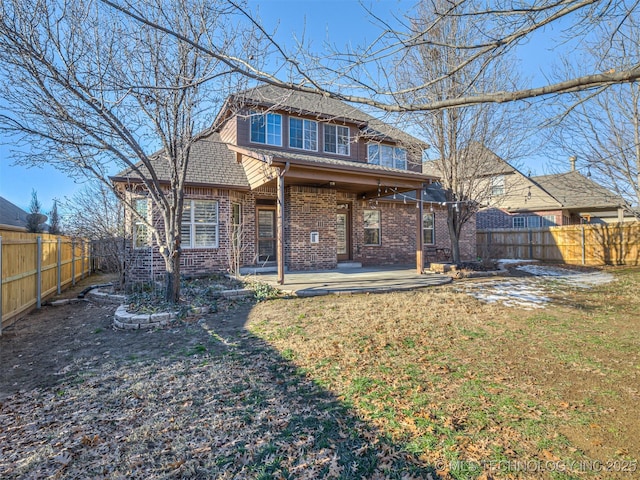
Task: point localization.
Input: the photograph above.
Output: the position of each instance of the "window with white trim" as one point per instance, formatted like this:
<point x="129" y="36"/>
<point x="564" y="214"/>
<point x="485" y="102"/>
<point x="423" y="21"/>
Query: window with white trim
<point x="337" y="139"/>
<point x="428" y="228"/>
<point x="199" y="227"/>
<point x="266" y="128"/>
<point x="497" y="185"/>
<point x="387" y="156"/>
<point x="549" y="221"/>
<point x="140" y="227"/>
<point x="303" y="134"/>
<point x="372" y="227"/>
<point x="533" y="221"/>
<point x="519" y="222"/>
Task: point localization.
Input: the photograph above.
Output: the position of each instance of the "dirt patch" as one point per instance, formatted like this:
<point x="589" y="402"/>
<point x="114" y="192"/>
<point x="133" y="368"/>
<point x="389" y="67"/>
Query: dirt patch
<point x="45" y="347"/>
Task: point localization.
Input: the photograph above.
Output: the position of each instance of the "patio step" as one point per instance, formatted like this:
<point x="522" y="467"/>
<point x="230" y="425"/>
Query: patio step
<point x="345" y="265"/>
<point x="254" y="270"/>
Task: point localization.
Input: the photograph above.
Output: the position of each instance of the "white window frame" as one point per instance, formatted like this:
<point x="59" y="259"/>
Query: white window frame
<point x="387" y="156"/>
<point x="193" y="224"/>
<point x="140" y="227"/>
<point x="497" y="185"/>
<point x="340" y="132"/>
<point x="431" y="229"/>
<point x="377" y="226"/>
<point x="534" y="221"/>
<point x="520" y="220"/>
<point x="309" y="130"/>
<point x="269" y="125"/>
<point x="549" y="221"/>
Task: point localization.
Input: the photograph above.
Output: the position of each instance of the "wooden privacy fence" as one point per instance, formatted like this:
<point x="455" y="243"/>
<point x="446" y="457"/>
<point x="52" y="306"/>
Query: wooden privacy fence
<point x="34" y="266"/>
<point x="606" y="244"/>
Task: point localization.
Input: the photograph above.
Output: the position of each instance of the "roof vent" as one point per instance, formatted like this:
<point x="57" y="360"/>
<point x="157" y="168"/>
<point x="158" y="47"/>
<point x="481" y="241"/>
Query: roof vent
<point x="572" y="161"/>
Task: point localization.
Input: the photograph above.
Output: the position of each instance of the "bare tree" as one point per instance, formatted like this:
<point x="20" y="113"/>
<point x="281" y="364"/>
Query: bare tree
<point x="462" y="138"/>
<point x="602" y="127"/>
<point x="358" y="74"/>
<point x="95" y="213"/>
<point x="90" y="90"/>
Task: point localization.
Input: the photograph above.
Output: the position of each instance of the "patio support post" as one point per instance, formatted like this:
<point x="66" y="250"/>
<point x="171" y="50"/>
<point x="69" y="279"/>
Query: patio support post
<point x="280" y="226"/>
<point x="419" y="245"/>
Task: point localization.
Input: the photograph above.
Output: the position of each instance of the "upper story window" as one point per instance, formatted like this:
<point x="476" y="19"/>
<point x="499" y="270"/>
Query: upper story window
<point x="336" y="139"/>
<point x="387" y="156"/>
<point x="266" y="128"/>
<point x="497" y="185"/>
<point x="303" y="134"/>
<point x="199" y="227"/>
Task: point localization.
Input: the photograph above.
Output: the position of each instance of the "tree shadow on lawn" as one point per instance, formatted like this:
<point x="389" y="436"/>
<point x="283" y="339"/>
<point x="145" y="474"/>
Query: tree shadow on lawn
<point x="205" y="399"/>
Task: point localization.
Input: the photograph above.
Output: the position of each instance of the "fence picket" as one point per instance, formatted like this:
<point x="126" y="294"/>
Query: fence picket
<point x="606" y="244"/>
<point x="33" y="266"/>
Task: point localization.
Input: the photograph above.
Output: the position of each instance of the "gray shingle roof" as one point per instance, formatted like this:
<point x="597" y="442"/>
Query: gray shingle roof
<point x="211" y="163"/>
<point x="327" y="161"/>
<point x="490" y="164"/>
<point x="325" y="108"/>
<point x="574" y="190"/>
<point x="11" y="214"/>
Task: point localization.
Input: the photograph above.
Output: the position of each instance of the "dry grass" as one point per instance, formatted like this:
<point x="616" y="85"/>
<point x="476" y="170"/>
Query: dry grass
<point x="373" y="386"/>
<point x="463" y="383"/>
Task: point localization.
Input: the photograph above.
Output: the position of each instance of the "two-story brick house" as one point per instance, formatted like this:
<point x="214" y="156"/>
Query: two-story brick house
<point x="302" y="182"/>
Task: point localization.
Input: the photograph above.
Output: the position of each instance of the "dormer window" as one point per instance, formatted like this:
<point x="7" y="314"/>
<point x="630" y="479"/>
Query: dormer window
<point x="266" y="128"/>
<point x="387" y="156"/>
<point x="336" y="139"/>
<point x="303" y="134"/>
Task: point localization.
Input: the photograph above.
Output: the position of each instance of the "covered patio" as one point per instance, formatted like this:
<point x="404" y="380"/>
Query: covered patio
<point x="364" y="181"/>
<point x="348" y="281"/>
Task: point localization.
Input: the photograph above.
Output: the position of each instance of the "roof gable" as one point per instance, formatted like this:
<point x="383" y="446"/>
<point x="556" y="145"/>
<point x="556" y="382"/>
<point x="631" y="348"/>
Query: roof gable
<point x="322" y="107"/>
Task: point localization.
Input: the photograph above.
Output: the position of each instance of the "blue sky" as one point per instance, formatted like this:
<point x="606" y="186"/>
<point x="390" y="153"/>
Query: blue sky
<point x="339" y="21"/>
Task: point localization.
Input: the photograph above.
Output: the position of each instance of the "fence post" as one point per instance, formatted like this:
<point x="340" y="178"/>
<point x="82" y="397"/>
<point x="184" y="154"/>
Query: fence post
<point x="39" y="271"/>
<point x="73" y="262"/>
<point x="584" y="253"/>
<point x="0" y="285"/>
<point x="59" y="279"/>
<point x="82" y="249"/>
<point x="530" y="244"/>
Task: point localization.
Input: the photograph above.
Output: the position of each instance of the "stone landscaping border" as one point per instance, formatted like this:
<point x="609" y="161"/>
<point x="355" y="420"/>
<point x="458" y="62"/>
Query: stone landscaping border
<point x="125" y="320"/>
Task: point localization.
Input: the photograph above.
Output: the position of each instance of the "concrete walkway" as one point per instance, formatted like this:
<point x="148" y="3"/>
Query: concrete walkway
<point x="353" y="280"/>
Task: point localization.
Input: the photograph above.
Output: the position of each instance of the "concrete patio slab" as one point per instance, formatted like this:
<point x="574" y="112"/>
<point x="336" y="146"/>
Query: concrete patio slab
<point x="353" y="281"/>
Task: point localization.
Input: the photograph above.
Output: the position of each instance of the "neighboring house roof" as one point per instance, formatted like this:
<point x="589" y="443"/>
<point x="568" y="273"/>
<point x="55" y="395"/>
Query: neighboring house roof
<point x="324" y="108"/>
<point x="490" y="165"/>
<point x="211" y="163"/>
<point x="11" y="214"/>
<point x="574" y="191"/>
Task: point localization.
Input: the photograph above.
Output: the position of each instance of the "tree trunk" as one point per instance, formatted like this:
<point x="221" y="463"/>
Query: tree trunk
<point x="453" y="233"/>
<point x="172" y="277"/>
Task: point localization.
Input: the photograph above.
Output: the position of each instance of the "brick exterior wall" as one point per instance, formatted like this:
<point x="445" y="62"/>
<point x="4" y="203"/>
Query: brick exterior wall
<point x="307" y="209"/>
<point x="310" y="210"/>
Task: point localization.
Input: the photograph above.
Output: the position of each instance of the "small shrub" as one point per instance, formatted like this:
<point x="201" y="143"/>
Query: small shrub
<point x="264" y="291"/>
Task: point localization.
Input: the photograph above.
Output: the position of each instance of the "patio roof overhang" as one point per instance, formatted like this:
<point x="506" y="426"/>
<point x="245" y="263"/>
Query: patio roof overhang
<point x="366" y="181"/>
<point x="264" y="167"/>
